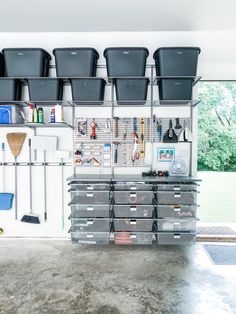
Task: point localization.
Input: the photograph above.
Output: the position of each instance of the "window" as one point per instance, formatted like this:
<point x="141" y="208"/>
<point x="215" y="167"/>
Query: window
<point x="217" y="151"/>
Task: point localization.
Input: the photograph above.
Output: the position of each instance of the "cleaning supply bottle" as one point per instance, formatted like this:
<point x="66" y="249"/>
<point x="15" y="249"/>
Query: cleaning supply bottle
<point x="40" y="115"/>
<point x="58" y="113"/>
<point x="53" y="120"/>
<point x="31" y="114"/>
<point x="35" y="115"/>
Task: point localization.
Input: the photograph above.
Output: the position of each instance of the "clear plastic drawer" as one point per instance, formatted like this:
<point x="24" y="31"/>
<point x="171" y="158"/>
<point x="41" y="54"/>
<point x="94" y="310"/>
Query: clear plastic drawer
<point x="171" y="238"/>
<point x="172" y="224"/>
<point x="133" y="186"/>
<point x="176" y="187"/>
<point x="133" y="238"/>
<point x="89" y="197"/>
<point x="133" y="224"/>
<point x="176" y="211"/>
<point x="133" y="211"/>
<point x="90" y="238"/>
<point x="137" y="197"/>
<point x="89" y="211"/>
<point x="90" y="225"/>
<point x="183" y="198"/>
<point x="89" y="186"/>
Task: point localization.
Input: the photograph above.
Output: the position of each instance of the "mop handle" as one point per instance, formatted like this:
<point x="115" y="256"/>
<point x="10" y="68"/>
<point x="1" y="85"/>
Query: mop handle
<point x="45" y="187"/>
<point x="62" y="193"/>
<point x="16" y="208"/>
<point x="30" y="176"/>
<point x="3" y="167"/>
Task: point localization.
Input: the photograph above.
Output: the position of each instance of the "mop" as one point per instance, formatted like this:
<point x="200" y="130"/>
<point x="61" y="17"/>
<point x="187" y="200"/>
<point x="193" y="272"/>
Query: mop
<point x="30" y="217"/>
<point x="63" y="155"/>
<point x="44" y="143"/>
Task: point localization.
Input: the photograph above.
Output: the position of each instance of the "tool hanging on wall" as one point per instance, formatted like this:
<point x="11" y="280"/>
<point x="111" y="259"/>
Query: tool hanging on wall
<point x="62" y="155"/>
<point x="170" y="135"/>
<point x="148" y="146"/>
<point x="30" y="217"/>
<point x="135" y="126"/>
<point x="6" y="199"/>
<point x="135" y="147"/>
<point x="142" y="144"/>
<point x="186" y="134"/>
<point x="107" y="128"/>
<point x="159" y="129"/>
<point x="93" y="125"/>
<point x="177" y="124"/>
<point x="44" y="143"/>
<point x="116" y="127"/>
<point x="16" y="142"/>
<point x="116" y="152"/>
<point x="125" y="121"/>
<point x="82" y="126"/>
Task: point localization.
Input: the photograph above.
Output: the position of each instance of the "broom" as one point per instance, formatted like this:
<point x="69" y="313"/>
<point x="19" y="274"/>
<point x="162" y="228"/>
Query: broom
<point x="30" y="217"/>
<point x="15" y="142"/>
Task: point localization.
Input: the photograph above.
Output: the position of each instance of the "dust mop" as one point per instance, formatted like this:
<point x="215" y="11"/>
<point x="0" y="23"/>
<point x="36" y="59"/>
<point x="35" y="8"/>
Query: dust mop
<point x="30" y="217"/>
<point x="44" y="143"/>
<point x="186" y="134"/>
<point x="62" y="155"/>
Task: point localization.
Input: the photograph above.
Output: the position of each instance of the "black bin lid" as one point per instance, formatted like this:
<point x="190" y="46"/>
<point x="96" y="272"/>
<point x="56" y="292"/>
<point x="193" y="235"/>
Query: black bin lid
<point x="27" y="49"/>
<point x="125" y="48"/>
<point x="76" y="48"/>
<point x="173" y="48"/>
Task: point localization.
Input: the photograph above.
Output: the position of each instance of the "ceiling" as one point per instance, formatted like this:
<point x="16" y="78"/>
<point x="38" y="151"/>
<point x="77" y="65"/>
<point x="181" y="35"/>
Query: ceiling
<point x="117" y="15"/>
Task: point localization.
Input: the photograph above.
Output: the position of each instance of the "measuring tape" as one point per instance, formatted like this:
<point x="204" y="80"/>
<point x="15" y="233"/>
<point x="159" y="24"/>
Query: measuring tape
<point x="142" y="151"/>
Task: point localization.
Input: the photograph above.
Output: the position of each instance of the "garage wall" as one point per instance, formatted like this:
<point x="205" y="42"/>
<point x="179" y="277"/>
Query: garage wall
<point x="217" y="61"/>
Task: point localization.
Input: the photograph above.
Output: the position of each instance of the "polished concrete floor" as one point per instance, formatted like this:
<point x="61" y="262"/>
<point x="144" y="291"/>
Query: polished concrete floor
<point x="58" y="277"/>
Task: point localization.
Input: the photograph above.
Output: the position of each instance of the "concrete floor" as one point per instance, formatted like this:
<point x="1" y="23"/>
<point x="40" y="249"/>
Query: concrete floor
<point x="58" y="277"/>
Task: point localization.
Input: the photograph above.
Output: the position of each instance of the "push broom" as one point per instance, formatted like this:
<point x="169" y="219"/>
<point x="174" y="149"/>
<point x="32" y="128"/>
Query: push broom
<point x="30" y="217"/>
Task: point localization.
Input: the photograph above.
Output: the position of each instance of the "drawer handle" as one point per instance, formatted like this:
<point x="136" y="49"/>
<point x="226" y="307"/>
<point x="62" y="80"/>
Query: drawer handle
<point x="133" y="208"/>
<point x="90" y="208"/>
<point x="176" y="223"/>
<point x="89" y="194"/>
<point x="176" y="209"/>
<point x="133" y="222"/>
<point x="89" y="236"/>
<point x="89" y="222"/>
<point x="89" y="187"/>
<point x="176" y="188"/>
<point x="177" y="195"/>
<point x="176" y="236"/>
<point x="133" y="236"/>
<point x="133" y="197"/>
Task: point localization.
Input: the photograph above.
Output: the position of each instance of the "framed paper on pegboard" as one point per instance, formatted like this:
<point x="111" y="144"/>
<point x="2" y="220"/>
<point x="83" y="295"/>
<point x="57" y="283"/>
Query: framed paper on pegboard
<point x="165" y="154"/>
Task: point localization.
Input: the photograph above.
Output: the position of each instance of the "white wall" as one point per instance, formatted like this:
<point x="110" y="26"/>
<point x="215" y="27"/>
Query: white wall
<point x="217" y="61"/>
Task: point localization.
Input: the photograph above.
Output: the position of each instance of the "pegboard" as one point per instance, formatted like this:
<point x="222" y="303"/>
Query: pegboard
<point x="124" y="151"/>
<point x="93" y="154"/>
<point x="103" y="130"/>
<point x="130" y="129"/>
<point x="165" y="126"/>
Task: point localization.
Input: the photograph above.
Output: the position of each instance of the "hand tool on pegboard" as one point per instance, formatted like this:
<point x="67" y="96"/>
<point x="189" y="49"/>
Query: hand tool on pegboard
<point x="170" y="135"/>
<point x="159" y="129"/>
<point x="93" y="125"/>
<point x="142" y="144"/>
<point x="116" y="126"/>
<point x="135" y="147"/>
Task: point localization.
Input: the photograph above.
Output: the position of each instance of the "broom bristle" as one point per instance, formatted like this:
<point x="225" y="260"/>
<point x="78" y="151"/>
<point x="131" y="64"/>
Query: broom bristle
<point x="16" y="141"/>
<point x="30" y="218"/>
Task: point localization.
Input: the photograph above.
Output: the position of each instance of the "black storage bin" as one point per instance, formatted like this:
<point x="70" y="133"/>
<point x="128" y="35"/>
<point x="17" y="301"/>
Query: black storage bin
<point x="88" y="91"/>
<point x="175" y="89"/>
<point x="26" y="62"/>
<point x="47" y="89"/>
<point x="131" y="91"/>
<point x="10" y="89"/>
<point x="176" y="61"/>
<point x="2" y="65"/>
<point x="74" y="62"/>
<point x="126" y="61"/>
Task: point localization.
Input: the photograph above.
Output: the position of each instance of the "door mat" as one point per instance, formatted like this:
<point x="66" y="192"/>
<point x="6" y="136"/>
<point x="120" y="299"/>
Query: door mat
<point x="215" y="230"/>
<point x="221" y="254"/>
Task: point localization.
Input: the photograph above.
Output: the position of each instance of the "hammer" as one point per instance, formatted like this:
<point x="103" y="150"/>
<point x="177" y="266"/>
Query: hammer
<point x="116" y="127"/>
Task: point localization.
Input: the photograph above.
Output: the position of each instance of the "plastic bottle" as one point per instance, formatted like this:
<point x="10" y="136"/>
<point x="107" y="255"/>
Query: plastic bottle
<point x="40" y="115"/>
<point x="53" y="120"/>
<point x="31" y="114"/>
<point x="58" y="113"/>
<point x="35" y="117"/>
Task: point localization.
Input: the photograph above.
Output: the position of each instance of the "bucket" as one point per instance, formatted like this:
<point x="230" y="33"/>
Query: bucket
<point x="6" y="200"/>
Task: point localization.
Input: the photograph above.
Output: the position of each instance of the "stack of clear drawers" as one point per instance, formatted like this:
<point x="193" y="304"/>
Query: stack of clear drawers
<point x="176" y="213"/>
<point x="133" y="213"/>
<point x="90" y="212"/>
